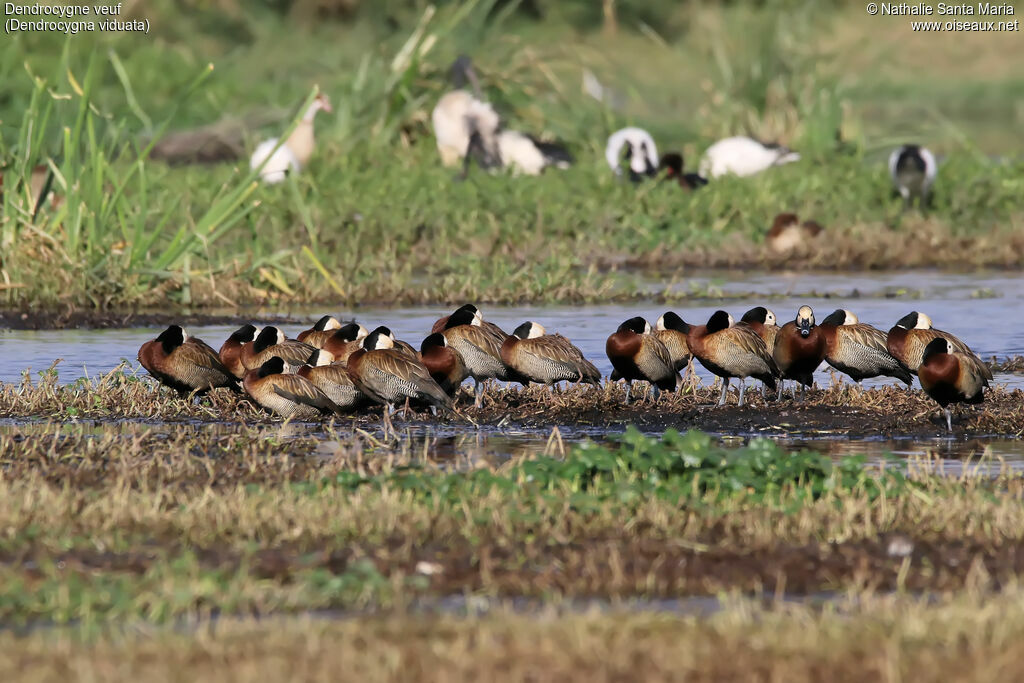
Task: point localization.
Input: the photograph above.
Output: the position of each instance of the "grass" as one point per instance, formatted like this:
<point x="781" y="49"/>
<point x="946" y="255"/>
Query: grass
<point x="108" y="530"/>
<point x="963" y="638"/>
<point x="840" y="408"/>
<point x="375" y="219"/>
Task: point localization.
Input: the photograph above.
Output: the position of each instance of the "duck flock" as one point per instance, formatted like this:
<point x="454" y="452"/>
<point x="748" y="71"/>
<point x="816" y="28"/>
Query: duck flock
<point x="336" y="368"/>
<point x="467" y="128"/>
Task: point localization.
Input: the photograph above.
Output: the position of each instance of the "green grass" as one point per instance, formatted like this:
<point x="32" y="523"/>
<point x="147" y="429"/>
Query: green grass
<point x="375" y="218"/>
<point x="105" y="529"/>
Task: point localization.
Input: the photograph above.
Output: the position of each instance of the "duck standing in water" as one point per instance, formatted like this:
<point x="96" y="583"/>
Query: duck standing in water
<point x="950" y="376"/>
<point x="184" y="363"/>
<point x="799" y="349"/>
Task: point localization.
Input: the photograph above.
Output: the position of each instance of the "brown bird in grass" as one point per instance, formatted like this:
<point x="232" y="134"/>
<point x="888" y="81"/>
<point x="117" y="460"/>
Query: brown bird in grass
<point x="184" y="363"/>
<point x="907" y="340"/>
<point x="271" y="342"/>
<point x="799" y="349"/>
<point x="951" y="376"/>
<point x="332" y="379"/>
<point x="763" y="321"/>
<point x="788" y="233"/>
<point x="546" y="358"/>
<point x="441" y="323"/>
<point x="388" y="375"/>
<point x="636" y="354"/>
<point x="231" y="350"/>
<point x="290" y="396"/>
<point x="857" y="349"/>
<point x="444" y="363"/>
<point x="671" y="331"/>
<point x="480" y="348"/>
<point x="321" y="331"/>
<point x="729" y="351"/>
<point x="344" y="341"/>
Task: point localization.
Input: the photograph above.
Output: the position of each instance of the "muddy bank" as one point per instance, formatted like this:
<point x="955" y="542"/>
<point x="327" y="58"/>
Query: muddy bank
<point x="837" y="412"/>
<point x="84" y="319"/>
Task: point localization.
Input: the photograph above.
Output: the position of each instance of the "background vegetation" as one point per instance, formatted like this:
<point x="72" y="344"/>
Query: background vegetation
<point x="375" y="217"/>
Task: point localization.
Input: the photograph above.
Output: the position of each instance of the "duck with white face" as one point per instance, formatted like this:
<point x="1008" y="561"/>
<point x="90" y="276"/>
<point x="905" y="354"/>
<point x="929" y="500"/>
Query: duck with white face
<point x="546" y="358"/>
<point x="912" y="169"/>
<point x="910" y="335"/>
<point x="638" y="355"/>
<point x="949" y="376"/>
<point x="799" y="349"/>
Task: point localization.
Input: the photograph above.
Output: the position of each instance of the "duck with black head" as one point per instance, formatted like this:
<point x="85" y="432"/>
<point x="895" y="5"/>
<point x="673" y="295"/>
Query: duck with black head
<point x="763" y="321"/>
<point x="332" y="379"/>
<point x="799" y="350"/>
<point x="388" y="375"/>
<point x="729" y="350"/>
<point x="949" y="376"/>
<point x="637" y="355"/>
<point x="287" y="395"/>
<point x="344" y="341"/>
<point x="271" y="342"/>
<point x="231" y="350"/>
<point x="546" y="358"/>
<point x="858" y="349"/>
<point x="671" y="330"/>
<point x="320" y="332"/>
<point x="480" y="348"/>
<point x="444" y="363"/>
<point x="910" y="335"/>
<point x="184" y="363"/>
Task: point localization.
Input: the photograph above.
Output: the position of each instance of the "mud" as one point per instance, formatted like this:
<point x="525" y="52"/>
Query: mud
<point x="81" y="319"/>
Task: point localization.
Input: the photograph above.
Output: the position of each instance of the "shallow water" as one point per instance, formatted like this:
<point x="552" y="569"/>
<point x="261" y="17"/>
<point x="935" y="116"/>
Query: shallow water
<point x="992" y="324"/>
<point x="462" y="447"/>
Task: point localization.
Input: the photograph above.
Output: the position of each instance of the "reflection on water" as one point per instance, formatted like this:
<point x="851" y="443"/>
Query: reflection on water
<point x="459" y="448"/>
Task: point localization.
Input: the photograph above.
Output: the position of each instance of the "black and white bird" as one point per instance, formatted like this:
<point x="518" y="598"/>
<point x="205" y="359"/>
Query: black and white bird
<point x="637" y="147"/>
<point x="743" y="156"/>
<point x="468" y="128"/>
<point x="912" y="169"/>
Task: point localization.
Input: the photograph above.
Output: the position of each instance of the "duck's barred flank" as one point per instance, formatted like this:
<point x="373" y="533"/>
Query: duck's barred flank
<point x="298" y="381"/>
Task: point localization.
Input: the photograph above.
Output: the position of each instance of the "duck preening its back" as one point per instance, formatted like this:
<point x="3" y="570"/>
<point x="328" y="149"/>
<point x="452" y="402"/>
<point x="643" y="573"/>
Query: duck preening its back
<point x="184" y="363"/>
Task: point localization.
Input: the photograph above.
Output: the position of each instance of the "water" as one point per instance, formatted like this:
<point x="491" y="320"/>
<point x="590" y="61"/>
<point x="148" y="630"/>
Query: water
<point x="991" y="325"/>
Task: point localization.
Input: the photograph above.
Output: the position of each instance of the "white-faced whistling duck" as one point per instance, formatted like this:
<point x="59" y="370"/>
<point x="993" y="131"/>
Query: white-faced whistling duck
<point x="444" y="363"/>
<point x="332" y="379"/>
<point x="271" y="342"/>
<point x="671" y="330"/>
<point x="799" y="349"/>
<point x="320" y="332"/>
<point x="763" y="321"/>
<point x="498" y="333"/>
<point x="546" y="358"/>
<point x="345" y="341"/>
<point x="184" y="363"/>
<point x="949" y="376"/>
<point x="388" y="375"/>
<point x="480" y="348"/>
<point x="290" y="396"/>
<point x="912" y="333"/>
<point x="912" y="169"/>
<point x="858" y="349"/>
<point x="728" y="351"/>
<point x="636" y="354"/>
<point x="231" y="350"/>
